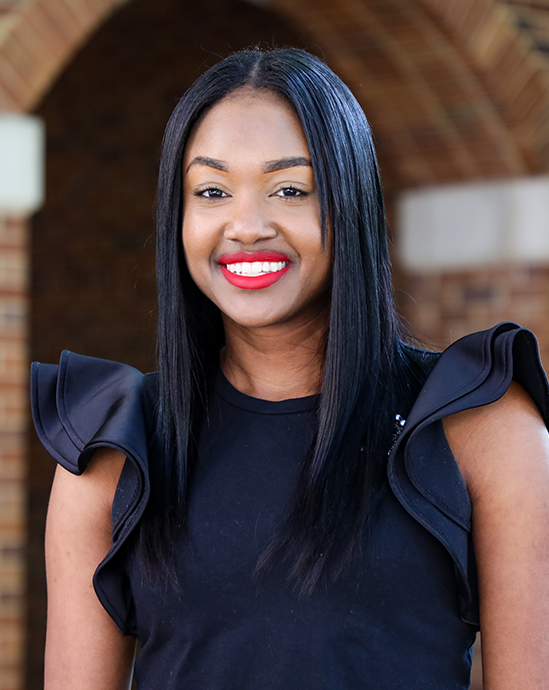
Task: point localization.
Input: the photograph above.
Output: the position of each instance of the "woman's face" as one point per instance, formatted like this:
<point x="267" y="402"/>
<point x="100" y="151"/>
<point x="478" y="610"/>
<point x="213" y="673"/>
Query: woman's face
<point x="251" y="221"/>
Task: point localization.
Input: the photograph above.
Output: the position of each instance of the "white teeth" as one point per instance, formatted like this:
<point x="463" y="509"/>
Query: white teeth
<point x="256" y="268"/>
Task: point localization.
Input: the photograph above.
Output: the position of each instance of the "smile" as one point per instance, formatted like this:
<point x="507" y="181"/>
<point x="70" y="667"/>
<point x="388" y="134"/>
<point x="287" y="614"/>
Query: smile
<point x="266" y="269"/>
<point x="256" y="268"/>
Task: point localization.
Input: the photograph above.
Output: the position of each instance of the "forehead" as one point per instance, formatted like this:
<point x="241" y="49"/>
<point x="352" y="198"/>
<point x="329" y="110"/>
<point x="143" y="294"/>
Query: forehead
<point x="248" y="121"/>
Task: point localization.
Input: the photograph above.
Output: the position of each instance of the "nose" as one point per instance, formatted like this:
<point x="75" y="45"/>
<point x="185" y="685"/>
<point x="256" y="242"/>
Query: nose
<point x="249" y="222"/>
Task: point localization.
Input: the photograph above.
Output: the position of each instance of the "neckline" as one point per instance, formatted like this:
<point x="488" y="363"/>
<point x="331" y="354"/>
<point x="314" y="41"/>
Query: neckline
<point x="234" y="397"/>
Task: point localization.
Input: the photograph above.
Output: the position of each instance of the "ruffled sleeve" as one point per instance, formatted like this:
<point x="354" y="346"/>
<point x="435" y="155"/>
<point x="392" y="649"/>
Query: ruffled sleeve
<point x="85" y="403"/>
<point x="474" y="371"/>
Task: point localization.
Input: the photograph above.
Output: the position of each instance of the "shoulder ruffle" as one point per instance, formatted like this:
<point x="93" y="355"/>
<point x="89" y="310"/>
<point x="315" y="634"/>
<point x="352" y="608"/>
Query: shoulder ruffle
<point x="86" y="403"/>
<point x="474" y="371"/>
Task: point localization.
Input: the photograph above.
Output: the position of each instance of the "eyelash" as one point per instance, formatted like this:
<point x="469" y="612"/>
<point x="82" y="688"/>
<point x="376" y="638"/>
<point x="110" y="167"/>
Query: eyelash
<point x="203" y="193"/>
<point x="220" y="194"/>
<point x="300" y="193"/>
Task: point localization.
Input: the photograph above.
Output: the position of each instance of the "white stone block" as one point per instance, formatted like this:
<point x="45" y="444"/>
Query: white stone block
<point x="21" y="164"/>
<point x="474" y="224"/>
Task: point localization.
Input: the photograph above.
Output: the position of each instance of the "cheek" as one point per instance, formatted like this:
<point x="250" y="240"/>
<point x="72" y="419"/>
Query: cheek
<point x="320" y="255"/>
<point x="195" y="240"/>
<point x="200" y="233"/>
<point x="198" y="249"/>
<point x="194" y="252"/>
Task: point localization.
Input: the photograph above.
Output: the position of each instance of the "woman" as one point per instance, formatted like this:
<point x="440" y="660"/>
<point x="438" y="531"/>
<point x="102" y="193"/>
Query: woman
<point x="292" y="496"/>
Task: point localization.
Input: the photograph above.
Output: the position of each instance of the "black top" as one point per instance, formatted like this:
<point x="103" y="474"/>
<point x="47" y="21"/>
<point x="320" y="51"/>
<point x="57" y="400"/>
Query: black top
<point x="404" y="617"/>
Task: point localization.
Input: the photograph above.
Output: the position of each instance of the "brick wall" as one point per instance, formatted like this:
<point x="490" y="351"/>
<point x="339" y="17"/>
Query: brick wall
<point x="13" y="408"/>
<point x="442" y="307"/>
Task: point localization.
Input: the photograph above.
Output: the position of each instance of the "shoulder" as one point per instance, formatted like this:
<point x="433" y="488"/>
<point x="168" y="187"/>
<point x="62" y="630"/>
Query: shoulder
<point x="97" y="418"/>
<point x="478" y="370"/>
<point x="503" y="442"/>
<point x="497" y="410"/>
<point x="491" y="391"/>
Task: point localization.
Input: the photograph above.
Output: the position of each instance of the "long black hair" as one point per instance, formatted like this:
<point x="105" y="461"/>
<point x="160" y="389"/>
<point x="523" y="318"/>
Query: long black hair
<point x="366" y="370"/>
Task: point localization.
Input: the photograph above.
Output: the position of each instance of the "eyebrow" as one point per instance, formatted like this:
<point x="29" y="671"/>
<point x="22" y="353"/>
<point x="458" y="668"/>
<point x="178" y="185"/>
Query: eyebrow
<point x="268" y="167"/>
<point x="283" y="163"/>
<point x="210" y="163"/>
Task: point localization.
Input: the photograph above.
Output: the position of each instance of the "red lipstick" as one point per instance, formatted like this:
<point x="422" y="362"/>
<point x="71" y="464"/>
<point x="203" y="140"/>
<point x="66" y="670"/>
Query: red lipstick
<point x="247" y="282"/>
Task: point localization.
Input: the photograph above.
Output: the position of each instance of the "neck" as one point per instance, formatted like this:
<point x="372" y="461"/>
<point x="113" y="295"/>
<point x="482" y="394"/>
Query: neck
<point x="275" y="362"/>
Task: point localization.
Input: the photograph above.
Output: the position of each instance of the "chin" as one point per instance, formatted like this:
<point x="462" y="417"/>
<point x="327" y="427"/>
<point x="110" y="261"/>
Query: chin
<point x="249" y="318"/>
<point x="254" y="321"/>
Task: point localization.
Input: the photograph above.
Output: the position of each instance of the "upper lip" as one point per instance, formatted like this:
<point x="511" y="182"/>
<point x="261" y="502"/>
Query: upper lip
<point x="241" y="257"/>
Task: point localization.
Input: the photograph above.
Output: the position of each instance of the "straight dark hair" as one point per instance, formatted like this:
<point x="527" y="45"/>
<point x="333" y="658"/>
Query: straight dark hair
<point x="367" y="370"/>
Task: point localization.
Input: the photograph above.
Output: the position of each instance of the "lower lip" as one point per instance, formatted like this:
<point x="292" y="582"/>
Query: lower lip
<point x="253" y="282"/>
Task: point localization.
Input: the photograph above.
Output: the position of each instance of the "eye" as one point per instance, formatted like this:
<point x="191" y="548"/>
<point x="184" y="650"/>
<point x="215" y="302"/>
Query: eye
<point x="290" y="193"/>
<point x="211" y="193"/>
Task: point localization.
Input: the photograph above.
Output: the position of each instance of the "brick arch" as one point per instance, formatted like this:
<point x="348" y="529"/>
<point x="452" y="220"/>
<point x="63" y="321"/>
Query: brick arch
<point x="41" y="38"/>
<point x="454" y="90"/>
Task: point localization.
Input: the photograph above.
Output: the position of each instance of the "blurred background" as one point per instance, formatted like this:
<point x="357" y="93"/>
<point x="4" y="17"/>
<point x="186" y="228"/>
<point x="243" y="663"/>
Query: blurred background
<point x="457" y="92"/>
